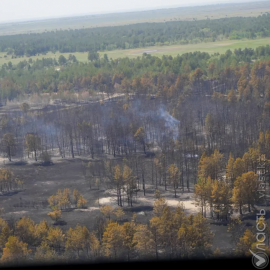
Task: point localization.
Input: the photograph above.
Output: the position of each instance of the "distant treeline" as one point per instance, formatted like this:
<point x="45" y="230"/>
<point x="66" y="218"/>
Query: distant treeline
<point x="136" y="35"/>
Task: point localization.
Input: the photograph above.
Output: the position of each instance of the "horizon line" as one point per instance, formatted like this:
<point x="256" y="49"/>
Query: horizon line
<point x="126" y="11"/>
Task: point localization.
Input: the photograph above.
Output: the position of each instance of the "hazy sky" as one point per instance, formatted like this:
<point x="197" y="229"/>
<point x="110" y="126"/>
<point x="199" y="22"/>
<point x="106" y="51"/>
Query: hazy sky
<point x="15" y="10"/>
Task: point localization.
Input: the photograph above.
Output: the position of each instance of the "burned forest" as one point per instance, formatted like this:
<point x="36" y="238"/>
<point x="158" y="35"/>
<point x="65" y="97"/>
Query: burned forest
<point x="138" y="158"/>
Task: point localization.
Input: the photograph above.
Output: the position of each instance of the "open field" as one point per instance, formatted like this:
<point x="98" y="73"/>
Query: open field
<point x="161" y="15"/>
<point x="210" y="47"/>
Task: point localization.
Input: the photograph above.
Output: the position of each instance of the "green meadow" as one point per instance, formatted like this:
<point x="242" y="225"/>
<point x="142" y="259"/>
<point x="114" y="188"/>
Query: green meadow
<point x="173" y="50"/>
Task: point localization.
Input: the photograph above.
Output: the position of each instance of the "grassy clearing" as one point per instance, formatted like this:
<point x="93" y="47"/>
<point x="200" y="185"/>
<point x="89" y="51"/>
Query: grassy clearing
<point x="174" y="50"/>
<point x="211" y="47"/>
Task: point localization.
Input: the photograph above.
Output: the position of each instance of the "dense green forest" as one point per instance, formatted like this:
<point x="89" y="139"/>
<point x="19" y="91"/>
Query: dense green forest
<point x="137" y="35"/>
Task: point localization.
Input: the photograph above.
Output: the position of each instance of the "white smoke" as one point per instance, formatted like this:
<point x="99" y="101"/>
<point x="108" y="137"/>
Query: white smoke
<point x="170" y="122"/>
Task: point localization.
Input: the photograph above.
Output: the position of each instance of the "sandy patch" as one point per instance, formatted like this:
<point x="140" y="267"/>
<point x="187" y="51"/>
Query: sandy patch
<point x="19" y="213"/>
<point x="191" y="207"/>
<point x="188" y="203"/>
<point x="89" y="209"/>
<point x="107" y="201"/>
<point x="3" y="160"/>
<point x="187" y="200"/>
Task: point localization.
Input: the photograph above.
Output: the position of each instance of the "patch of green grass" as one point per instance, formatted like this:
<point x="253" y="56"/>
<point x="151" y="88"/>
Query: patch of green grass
<point x="174" y="50"/>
